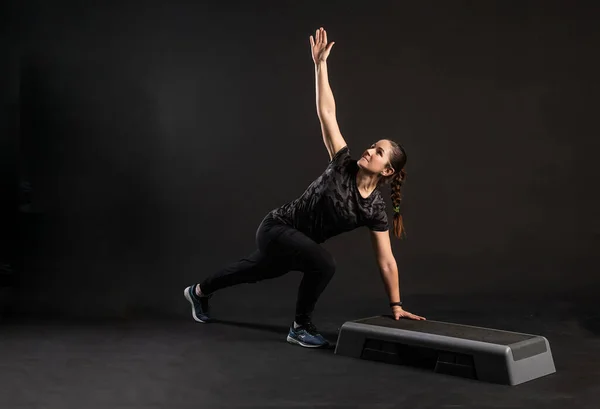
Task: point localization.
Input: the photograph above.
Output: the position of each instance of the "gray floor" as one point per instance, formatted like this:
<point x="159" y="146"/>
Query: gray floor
<point x="243" y="361"/>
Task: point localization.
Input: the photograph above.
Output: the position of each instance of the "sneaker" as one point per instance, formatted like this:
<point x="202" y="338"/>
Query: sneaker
<point x="306" y="336"/>
<point x="200" y="308"/>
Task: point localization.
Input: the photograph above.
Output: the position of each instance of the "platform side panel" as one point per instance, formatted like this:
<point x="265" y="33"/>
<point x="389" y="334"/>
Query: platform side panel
<point x="531" y="368"/>
<point x="350" y="342"/>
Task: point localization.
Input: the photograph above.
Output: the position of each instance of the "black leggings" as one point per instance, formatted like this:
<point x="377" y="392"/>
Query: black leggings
<point x="281" y="249"/>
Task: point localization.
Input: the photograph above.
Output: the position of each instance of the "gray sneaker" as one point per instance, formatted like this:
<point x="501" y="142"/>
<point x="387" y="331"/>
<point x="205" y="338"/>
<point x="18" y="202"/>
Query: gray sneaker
<point x="200" y="308"/>
<point x="306" y="336"/>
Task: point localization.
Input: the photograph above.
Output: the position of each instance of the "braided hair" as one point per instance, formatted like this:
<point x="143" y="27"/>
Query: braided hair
<point x="396" y="180"/>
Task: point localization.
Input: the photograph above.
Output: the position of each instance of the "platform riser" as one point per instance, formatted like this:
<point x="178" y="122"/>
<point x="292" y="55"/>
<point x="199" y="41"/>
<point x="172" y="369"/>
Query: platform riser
<point x="459" y="357"/>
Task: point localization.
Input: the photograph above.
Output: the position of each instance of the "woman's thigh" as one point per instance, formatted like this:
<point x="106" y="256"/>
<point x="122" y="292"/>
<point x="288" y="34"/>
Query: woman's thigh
<point x="290" y="248"/>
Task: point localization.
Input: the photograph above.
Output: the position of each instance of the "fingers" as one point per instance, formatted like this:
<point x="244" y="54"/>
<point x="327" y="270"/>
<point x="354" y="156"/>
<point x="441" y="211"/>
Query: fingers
<point x="321" y="36"/>
<point x="413" y="316"/>
<point x="312" y="42"/>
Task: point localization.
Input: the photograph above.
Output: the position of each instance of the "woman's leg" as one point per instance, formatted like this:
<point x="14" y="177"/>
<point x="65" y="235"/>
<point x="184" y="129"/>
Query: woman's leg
<point x="281" y="249"/>
<point x="251" y="269"/>
<point x="264" y="263"/>
<point x="317" y="265"/>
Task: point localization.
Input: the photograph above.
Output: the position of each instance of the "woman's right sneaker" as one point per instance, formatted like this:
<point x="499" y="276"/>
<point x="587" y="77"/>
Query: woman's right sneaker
<point x="306" y="336"/>
<point x="200" y="308"/>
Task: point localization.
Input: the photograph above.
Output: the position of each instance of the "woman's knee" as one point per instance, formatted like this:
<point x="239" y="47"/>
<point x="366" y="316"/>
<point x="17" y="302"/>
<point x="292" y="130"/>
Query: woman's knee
<point x="327" y="265"/>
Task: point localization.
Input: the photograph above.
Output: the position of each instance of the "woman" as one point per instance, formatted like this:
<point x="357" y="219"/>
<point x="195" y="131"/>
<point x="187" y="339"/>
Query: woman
<point x="343" y="198"/>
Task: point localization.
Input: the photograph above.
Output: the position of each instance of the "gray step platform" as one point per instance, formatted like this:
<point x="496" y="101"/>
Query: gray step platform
<point x="489" y="355"/>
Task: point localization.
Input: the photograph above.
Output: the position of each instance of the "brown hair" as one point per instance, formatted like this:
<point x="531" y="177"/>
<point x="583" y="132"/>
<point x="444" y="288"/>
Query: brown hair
<point x="397" y="179"/>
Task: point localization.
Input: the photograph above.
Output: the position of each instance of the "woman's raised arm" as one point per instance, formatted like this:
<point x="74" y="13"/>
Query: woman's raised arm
<point x="332" y="137"/>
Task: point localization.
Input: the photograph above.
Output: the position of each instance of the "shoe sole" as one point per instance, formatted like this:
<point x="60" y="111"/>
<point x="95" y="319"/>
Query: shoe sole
<point x="302" y="344"/>
<point x="186" y="294"/>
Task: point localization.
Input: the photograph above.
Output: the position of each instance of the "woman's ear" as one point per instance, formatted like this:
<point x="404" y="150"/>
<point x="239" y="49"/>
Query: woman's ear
<point x="387" y="171"/>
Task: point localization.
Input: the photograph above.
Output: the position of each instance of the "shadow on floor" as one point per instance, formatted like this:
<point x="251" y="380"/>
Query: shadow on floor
<point x="276" y="329"/>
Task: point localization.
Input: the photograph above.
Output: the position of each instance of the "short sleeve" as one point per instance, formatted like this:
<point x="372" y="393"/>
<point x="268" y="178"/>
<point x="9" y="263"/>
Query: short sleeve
<point x="379" y="219"/>
<point x="341" y="157"/>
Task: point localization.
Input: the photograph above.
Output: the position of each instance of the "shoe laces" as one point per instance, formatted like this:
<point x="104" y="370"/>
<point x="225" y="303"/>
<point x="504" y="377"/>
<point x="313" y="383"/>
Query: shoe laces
<point x="310" y="328"/>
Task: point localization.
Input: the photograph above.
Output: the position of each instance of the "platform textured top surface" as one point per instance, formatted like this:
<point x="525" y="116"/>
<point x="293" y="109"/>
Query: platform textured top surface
<point x="489" y="335"/>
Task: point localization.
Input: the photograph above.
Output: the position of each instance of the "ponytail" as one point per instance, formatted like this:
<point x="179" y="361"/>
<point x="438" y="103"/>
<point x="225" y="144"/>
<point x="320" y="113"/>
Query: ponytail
<point x="396" y="189"/>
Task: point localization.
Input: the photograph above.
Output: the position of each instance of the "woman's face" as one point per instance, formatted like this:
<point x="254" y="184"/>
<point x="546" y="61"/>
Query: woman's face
<point x="376" y="159"/>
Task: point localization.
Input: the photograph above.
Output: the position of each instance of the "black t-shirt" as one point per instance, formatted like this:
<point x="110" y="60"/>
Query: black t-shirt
<point x="332" y="203"/>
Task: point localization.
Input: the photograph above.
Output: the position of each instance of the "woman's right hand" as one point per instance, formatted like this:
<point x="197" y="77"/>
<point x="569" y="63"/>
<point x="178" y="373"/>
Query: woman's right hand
<point x="320" y="49"/>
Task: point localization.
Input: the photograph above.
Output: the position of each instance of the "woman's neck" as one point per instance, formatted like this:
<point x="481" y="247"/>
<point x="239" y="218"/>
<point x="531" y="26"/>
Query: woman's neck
<point x="366" y="183"/>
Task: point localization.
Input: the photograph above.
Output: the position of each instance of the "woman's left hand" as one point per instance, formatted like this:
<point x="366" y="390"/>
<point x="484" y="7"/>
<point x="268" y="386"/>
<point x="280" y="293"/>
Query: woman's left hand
<point x="400" y="313"/>
<point x="320" y="48"/>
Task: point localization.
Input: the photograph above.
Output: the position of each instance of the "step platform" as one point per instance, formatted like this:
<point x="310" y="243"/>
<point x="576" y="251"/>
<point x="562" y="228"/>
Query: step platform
<point x="483" y="354"/>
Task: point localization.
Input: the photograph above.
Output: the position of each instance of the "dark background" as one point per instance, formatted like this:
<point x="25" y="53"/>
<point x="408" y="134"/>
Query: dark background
<point x="155" y="136"/>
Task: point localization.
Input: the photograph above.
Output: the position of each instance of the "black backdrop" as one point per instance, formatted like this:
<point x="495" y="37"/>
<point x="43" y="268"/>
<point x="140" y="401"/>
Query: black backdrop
<point x="155" y="137"/>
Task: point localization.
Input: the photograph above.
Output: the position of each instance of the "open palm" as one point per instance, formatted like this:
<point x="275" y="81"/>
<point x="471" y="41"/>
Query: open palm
<point x="319" y="46"/>
<point x="400" y="313"/>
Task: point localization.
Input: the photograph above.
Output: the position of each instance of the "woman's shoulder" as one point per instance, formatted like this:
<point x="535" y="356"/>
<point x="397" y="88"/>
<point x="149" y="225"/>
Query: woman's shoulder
<point x="340" y="155"/>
